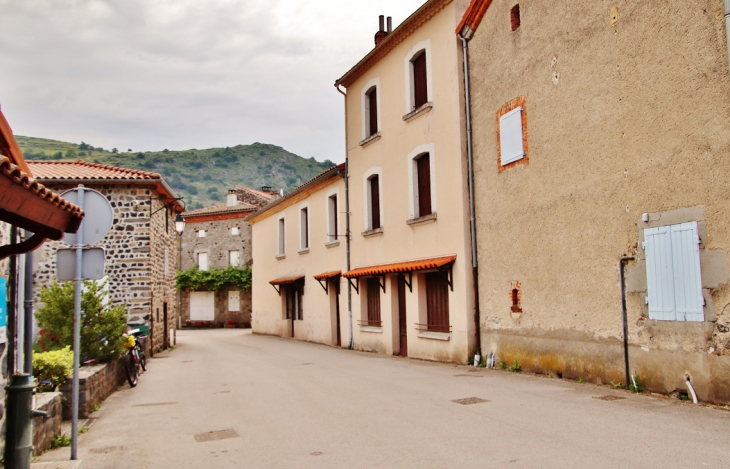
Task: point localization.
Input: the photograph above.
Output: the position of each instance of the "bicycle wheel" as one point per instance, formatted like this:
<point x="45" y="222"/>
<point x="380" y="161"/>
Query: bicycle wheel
<point x="130" y="367"/>
<point x="142" y="359"/>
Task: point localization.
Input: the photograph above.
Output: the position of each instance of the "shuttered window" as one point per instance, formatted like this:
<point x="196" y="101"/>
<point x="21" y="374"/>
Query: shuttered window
<point x="282" y="245"/>
<point x="332" y="229"/>
<point x="437" y="302"/>
<point x="373" y="287"/>
<point x="203" y="260"/>
<point x="234" y="258"/>
<point x="674" y="281"/>
<point x="420" y="85"/>
<point x="293" y="301"/>
<point x="423" y="171"/>
<point x="304" y="228"/>
<point x="372" y="112"/>
<point x="511" y="143"/>
<point x="375" y="202"/>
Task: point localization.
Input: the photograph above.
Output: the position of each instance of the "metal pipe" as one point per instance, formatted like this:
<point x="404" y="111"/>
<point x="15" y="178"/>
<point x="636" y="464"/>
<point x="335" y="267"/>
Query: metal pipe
<point x="28" y="310"/>
<point x="727" y="29"/>
<point x="691" y="389"/>
<point x="347" y="220"/>
<point x="77" y="330"/>
<point x="472" y="211"/>
<point x="20" y="327"/>
<point x="12" y="302"/>
<point x="624" y="318"/>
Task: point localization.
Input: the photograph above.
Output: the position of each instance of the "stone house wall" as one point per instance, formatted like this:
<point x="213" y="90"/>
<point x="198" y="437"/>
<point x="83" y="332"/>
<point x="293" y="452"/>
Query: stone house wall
<point x="241" y="318"/>
<point x="45" y="429"/>
<point x="96" y="383"/>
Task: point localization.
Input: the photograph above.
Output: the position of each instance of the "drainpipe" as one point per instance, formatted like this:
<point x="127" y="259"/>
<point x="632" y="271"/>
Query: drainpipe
<point x="28" y="304"/>
<point x="624" y="317"/>
<point x="727" y="27"/>
<point x="347" y="220"/>
<point x="472" y="221"/>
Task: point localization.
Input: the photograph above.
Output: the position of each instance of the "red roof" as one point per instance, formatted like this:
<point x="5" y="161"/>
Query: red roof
<point x="286" y="280"/>
<point x="328" y="275"/>
<point x="474" y="15"/>
<point x="400" y="267"/>
<point x="224" y="208"/>
<point x="60" y="170"/>
<point x="262" y="194"/>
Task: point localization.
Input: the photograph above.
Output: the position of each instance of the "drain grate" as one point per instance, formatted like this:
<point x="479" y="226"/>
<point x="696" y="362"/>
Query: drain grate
<point x="217" y="435"/>
<point x="609" y="398"/>
<point x="155" y="404"/>
<point x="106" y="449"/>
<point x="470" y="401"/>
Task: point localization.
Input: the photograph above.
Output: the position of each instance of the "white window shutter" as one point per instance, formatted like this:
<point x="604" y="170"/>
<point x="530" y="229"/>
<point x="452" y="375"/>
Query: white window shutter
<point x="659" y="274"/>
<point x="203" y="261"/>
<point x="687" y="278"/>
<point x="511" y="143"/>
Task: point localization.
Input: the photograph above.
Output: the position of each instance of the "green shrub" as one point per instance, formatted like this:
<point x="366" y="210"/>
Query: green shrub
<point x="101" y="327"/>
<point x="214" y="279"/>
<point x="54" y="366"/>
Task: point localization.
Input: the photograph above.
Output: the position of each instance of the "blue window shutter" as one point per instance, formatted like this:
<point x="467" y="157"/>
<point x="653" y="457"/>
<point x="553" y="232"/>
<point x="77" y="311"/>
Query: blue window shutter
<point x="659" y="273"/>
<point x="511" y="144"/>
<point x="687" y="277"/>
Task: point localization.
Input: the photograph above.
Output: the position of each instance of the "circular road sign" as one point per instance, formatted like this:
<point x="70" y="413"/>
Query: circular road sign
<point x="98" y="220"/>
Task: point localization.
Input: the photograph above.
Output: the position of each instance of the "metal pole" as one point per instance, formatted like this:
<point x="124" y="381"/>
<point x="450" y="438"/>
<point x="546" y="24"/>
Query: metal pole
<point x="12" y="303"/>
<point x="20" y="328"/>
<point x="28" y="309"/>
<point x="624" y="317"/>
<point x="77" y="331"/>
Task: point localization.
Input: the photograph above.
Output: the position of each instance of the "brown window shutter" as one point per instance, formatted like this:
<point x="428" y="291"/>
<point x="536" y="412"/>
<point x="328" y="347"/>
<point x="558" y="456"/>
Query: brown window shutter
<point x="334" y="214"/>
<point x="437" y="302"/>
<point x="375" y="201"/>
<point x="420" y="86"/>
<point x="424" y="185"/>
<point x="374" y="301"/>
<point x="373" y="99"/>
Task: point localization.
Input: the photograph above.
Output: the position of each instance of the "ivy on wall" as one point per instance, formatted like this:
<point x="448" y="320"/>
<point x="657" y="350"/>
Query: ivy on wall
<point x="214" y="279"/>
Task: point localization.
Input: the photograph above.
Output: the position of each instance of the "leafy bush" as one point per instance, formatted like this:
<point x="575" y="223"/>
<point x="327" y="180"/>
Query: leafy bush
<point x="214" y="279"/>
<point x="101" y="327"/>
<point x="54" y="366"/>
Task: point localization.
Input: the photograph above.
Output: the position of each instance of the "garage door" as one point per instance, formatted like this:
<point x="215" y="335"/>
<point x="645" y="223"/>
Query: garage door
<point x="202" y="306"/>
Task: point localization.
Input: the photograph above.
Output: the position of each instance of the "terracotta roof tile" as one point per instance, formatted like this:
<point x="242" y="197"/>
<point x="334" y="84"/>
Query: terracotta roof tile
<point x="286" y="280"/>
<point x="400" y="267"/>
<point x="224" y="208"/>
<point x="473" y="15"/>
<point x="60" y="170"/>
<point x="328" y="275"/>
<point x="262" y="194"/>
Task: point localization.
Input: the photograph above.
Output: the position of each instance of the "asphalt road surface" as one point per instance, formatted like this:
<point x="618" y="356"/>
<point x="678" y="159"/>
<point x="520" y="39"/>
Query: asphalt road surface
<point x="226" y="398"/>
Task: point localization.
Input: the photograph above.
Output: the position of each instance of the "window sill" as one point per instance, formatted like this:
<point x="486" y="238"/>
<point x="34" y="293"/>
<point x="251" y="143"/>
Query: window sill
<point x="370" y="139"/>
<point x="332" y="244"/>
<point x="422" y="220"/>
<point x="421" y="110"/>
<point x="374" y="330"/>
<point x="304" y="251"/>
<point x="434" y="335"/>
<point x="281" y="256"/>
<point x="376" y="231"/>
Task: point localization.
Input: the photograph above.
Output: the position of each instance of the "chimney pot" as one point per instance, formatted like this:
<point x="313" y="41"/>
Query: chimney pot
<point x="381" y="22"/>
<point x="390" y="24"/>
<point x="232" y="199"/>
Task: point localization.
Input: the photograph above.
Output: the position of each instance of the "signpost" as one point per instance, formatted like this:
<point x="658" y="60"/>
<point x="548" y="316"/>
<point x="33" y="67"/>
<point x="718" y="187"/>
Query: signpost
<point x="94" y="226"/>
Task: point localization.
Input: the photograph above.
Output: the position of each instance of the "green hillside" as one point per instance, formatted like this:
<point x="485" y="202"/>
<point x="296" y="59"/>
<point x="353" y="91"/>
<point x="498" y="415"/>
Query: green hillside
<point x="201" y="176"/>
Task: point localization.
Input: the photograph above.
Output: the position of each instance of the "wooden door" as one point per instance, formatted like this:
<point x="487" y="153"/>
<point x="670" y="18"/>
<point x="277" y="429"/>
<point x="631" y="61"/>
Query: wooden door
<point x="337" y="311"/>
<point x="402" y="316"/>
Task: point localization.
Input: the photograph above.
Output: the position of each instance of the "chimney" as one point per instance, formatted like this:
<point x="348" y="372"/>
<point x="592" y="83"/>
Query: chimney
<point x="390" y="24"/>
<point x="232" y="200"/>
<point x="381" y="34"/>
<point x="266" y="189"/>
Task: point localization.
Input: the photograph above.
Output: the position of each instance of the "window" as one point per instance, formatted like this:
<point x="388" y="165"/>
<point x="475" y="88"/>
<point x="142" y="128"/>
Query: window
<point x="374" y="197"/>
<point x="512" y="134"/>
<point x="437" y="302"/>
<point x="304" y="228"/>
<point x="234" y="258"/>
<point x="235" y="231"/>
<point x="420" y="82"/>
<point x="293" y="298"/>
<point x="371" y="112"/>
<point x="514" y="15"/>
<point x="282" y="238"/>
<point x="167" y="262"/>
<point x="674" y="281"/>
<point x="373" y="293"/>
<point x="203" y="260"/>
<point x="332" y="218"/>
<point x="201" y="233"/>
<point x="234" y="301"/>
<point x="423" y="185"/>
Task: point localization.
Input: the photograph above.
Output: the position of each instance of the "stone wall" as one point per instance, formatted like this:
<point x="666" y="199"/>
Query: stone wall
<point x="45" y="429"/>
<point x="96" y="383"/>
<point x="163" y="265"/>
<point x="4" y="239"/>
<point x="241" y="318"/>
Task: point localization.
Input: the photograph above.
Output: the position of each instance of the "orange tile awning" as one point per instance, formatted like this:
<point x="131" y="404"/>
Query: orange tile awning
<point x="328" y="275"/>
<point x="287" y="280"/>
<point x="400" y="267"/>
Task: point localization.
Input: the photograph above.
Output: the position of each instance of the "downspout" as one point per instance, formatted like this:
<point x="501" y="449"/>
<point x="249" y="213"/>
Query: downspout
<point x="624" y="317"/>
<point x="12" y="298"/>
<point x="472" y="221"/>
<point x="727" y="28"/>
<point x="28" y="304"/>
<point x="347" y="220"/>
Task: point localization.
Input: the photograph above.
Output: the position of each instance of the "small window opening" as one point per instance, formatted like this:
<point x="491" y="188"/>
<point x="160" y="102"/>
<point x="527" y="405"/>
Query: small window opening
<point x="515" y="17"/>
<point x="516" y="297"/>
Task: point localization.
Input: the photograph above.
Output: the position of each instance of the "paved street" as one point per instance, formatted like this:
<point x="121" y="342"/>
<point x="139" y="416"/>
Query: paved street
<point x="282" y="403"/>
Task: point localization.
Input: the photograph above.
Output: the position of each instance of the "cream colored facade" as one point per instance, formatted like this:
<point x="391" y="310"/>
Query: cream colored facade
<point x="320" y="253"/>
<point x="626" y="115"/>
<point x="404" y="134"/>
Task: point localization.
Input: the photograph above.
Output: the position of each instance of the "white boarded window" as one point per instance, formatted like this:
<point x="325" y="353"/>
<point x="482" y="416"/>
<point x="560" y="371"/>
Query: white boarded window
<point x="674" y="281"/>
<point x="511" y="143"/>
<point x="201" y="233"/>
<point x="235" y="231"/>
<point x="203" y="260"/>
<point x="167" y="262"/>
<point x="234" y="258"/>
<point x="282" y="244"/>
<point x="234" y="301"/>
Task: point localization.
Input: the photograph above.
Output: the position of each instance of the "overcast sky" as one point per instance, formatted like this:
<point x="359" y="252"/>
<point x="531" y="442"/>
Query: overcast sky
<point x="180" y="74"/>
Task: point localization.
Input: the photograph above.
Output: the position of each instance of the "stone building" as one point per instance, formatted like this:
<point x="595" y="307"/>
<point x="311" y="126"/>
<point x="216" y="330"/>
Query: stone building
<point x="141" y="249"/>
<point x="214" y="238"/>
<point x="601" y="151"/>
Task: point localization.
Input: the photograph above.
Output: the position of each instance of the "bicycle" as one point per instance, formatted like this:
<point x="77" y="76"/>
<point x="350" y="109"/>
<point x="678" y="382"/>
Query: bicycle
<point x="136" y="358"/>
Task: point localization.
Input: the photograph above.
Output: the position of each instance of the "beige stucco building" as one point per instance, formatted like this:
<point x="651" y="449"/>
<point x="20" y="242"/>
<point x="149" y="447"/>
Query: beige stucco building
<point x="299" y="252"/>
<point x="601" y="133"/>
<point x="411" y="276"/>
